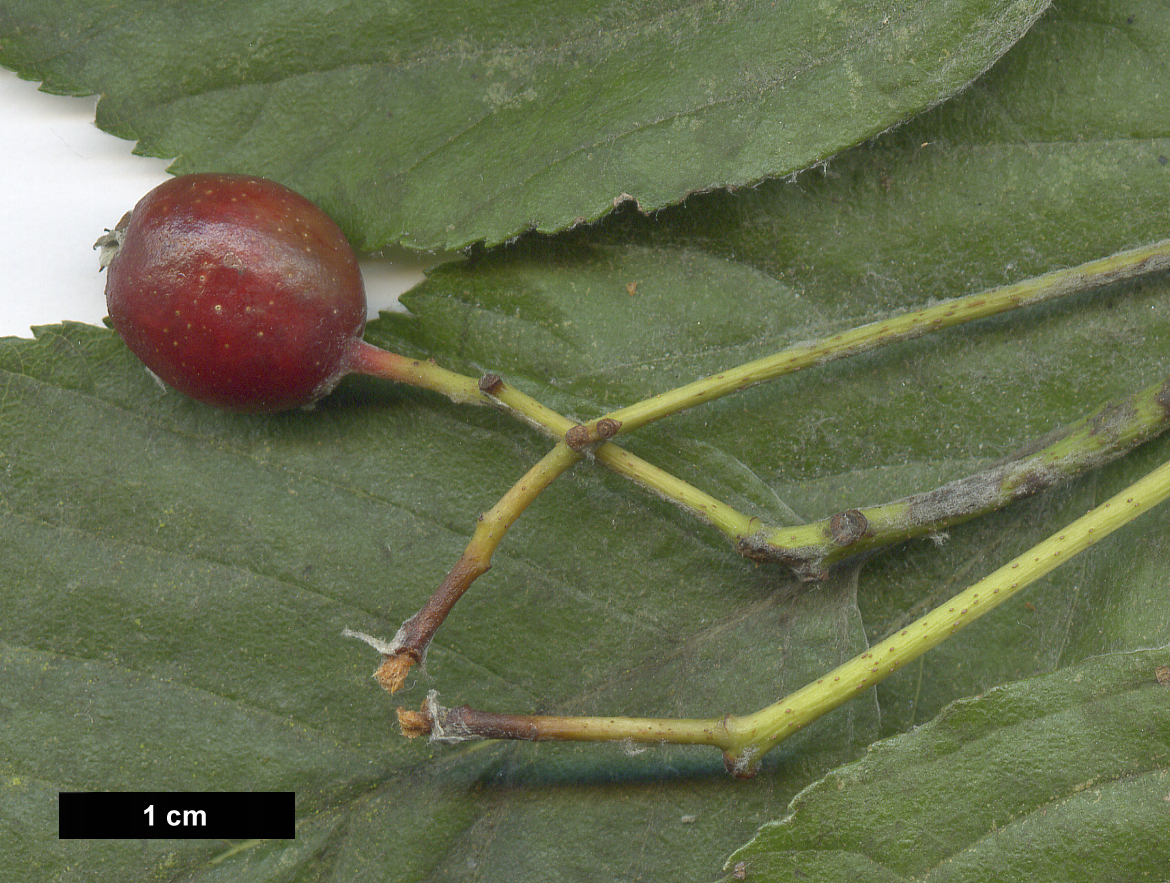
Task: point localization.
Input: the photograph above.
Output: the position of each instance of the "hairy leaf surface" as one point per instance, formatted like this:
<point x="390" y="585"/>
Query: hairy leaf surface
<point x="1058" y="778"/>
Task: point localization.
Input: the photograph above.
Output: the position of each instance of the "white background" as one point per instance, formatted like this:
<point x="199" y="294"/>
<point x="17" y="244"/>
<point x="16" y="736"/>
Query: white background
<point x="62" y="182"/>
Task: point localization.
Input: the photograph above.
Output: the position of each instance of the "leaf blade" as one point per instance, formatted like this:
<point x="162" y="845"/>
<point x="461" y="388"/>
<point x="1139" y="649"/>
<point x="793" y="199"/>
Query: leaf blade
<point x="1063" y="778"/>
<point x="437" y="126"/>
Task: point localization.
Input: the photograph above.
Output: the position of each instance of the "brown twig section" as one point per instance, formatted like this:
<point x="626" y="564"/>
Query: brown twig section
<point x="463" y="724"/>
<point x="410" y="644"/>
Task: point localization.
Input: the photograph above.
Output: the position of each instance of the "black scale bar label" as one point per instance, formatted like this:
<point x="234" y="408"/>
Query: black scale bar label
<point x="177" y="815"/>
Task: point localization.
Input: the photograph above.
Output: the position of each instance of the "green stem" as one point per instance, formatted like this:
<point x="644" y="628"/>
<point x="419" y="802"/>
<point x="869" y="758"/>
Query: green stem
<point x="760" y="732"/>
<point x="744" y="740"/>
<point x="488" y="390"/>
<point x="732" y="523"/>
<point x="1059" y="283"/>
<point x="1091" y="442"/>
<point x="808" y="549"/>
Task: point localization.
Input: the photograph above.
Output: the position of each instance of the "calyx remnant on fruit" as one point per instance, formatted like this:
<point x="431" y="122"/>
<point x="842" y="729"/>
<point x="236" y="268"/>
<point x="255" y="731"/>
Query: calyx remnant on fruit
<point x="236" y="291"/>
<point x="110" y="241"/>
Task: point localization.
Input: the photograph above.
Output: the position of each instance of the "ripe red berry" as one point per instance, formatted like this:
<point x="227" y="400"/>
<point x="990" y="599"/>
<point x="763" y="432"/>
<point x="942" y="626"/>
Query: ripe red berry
<point x="236" y="291"/>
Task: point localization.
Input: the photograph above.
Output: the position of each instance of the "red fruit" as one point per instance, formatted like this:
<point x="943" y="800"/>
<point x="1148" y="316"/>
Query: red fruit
<point x="236" y="291"/>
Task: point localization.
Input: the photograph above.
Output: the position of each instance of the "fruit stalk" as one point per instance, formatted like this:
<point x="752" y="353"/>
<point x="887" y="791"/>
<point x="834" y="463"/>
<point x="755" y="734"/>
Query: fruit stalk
<point x="453" y="725"/>
<point x="365" y="358"/>
<point x="907" y="326"/>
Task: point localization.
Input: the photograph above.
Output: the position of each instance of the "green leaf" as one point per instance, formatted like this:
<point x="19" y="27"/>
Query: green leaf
<point x="1060" y="778"/>
<point x="175" y="580"/>
<point x="442" y="124"/>
<point x="892" y="225"/>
